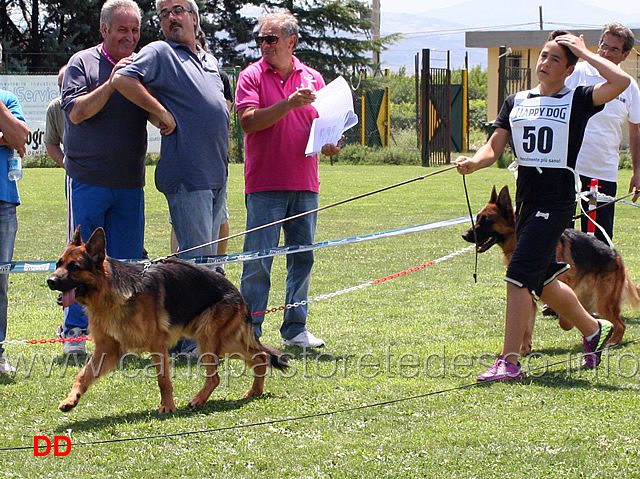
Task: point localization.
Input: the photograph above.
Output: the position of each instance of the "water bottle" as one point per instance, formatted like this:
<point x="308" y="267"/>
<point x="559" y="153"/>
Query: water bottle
<point x="15" y="166"/>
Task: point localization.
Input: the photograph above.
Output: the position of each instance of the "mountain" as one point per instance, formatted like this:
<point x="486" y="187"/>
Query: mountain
<point x="442" y="29"/>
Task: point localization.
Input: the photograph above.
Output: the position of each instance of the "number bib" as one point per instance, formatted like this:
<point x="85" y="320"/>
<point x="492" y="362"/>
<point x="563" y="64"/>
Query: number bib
<point x="540" y="129"/>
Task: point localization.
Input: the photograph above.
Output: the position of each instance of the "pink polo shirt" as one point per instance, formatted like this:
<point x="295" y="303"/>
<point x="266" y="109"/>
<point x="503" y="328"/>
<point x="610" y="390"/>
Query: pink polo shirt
<point x="274" y="157"/>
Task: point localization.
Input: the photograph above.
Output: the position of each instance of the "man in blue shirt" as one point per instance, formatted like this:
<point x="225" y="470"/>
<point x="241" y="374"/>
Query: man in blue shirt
<point x="13" y="137"/>
<point x="105" y="141"/>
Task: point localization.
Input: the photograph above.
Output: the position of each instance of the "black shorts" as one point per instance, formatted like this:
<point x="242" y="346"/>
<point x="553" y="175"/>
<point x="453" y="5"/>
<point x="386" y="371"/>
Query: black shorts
<point x="538" y="229"/>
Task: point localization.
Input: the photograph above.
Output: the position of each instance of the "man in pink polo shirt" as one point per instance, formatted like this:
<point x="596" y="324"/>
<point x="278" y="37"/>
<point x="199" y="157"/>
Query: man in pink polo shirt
<point x="273" y="101"/>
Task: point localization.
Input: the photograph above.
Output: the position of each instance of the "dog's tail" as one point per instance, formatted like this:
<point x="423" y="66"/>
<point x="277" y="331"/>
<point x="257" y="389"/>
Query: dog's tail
<point x="277" y="359"/>
<point x="631" y="292"/>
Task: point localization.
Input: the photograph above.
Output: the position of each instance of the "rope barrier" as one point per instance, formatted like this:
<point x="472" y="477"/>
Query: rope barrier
<point x="602" y="198"/>
<point x="364" y="285"/>
<point x="50" y="266"/>
<point x="44" y="341"/>
<point x="609" y="200"/>
<point x="302" y="417"/>
<point x="281" y="308"/>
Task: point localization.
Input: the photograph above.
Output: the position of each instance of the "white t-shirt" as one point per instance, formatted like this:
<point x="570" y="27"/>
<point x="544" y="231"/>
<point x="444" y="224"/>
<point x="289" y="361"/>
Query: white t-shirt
<point x="598" y="157"/>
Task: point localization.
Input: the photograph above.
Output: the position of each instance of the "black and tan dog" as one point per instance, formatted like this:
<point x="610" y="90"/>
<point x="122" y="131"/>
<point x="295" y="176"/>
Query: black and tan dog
<point x="137" y="307"/>
<point x="598" y="275"/>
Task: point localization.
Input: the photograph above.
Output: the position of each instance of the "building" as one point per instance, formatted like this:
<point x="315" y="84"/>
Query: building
<point x="512" y="57"/>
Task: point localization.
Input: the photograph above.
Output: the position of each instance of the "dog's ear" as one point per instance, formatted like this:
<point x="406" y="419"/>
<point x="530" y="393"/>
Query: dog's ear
<point x="504" y="199"/>
<point x="494" y="195"/>
<point x="77" y="239"/>
<point x="97" y="246"/>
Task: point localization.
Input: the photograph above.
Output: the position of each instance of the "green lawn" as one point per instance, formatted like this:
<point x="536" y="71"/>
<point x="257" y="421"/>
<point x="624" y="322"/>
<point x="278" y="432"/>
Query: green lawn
<point x="426" y="334"/>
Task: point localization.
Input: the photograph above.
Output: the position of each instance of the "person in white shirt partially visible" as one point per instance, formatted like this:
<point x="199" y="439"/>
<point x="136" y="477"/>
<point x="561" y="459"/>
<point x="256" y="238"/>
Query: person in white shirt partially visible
<point x="599" y="154"/>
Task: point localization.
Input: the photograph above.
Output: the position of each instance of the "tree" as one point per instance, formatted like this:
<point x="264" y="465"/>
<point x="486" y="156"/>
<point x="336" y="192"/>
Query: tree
<point x="334" y="34"/>
<point x="226" y="29"/>
<point x="41" y="35"/>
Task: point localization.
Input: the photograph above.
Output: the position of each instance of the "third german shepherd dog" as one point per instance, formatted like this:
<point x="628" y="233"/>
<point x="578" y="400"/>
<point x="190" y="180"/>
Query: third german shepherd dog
<point x="137" y="307"/>
<point x="597" y="273"/>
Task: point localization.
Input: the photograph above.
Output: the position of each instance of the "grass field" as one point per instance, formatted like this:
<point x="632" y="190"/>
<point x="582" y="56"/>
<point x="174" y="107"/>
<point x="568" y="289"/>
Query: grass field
<point x="406" y="349"/>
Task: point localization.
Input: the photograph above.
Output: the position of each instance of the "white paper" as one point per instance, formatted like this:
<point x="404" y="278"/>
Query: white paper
<point x="334" y="104"/>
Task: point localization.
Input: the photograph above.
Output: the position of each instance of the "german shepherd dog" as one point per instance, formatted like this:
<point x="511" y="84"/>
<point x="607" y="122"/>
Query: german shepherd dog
<point x="597" y="273"/>
<point x="136" y="307"/>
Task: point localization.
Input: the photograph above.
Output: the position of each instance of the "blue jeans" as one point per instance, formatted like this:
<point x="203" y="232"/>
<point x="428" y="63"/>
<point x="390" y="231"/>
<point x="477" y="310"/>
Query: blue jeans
<point x="120" y="212"/>
<point x="8" y="230"/>
<point x="196" y="217"/>
<point x="267" y="207"/>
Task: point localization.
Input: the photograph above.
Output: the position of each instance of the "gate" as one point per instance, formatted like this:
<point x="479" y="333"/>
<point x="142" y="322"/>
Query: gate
<point x="442" y="111"/>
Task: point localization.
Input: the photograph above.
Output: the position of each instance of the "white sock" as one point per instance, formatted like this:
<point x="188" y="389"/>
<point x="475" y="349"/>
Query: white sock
<point x="589" y="338"/>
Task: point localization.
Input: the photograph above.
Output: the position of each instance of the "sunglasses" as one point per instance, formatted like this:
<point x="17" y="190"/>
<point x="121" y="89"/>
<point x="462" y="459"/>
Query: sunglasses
<point x="270" y="39"/>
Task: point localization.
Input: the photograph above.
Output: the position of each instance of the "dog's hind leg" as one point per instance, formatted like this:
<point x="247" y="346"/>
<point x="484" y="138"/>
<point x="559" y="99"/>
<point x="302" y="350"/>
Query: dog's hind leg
<point x="160" y="356"/>
<point x="609" y="308"/>
<point x="208" y="336"/>
<point x="257" y="361"/>
<point x="527" y="339"/>
<point x="210" y="361"/>
<point x="102" y="361"/>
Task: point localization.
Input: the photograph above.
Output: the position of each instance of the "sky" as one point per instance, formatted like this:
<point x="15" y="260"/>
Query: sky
<point x="421" y="6"/>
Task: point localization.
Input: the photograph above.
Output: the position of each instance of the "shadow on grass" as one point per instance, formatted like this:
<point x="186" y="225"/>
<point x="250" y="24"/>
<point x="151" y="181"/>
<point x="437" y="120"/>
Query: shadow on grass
<point x="312" y="354"/>
<point x="133" y="417"/>
<point x="6" y="379"/>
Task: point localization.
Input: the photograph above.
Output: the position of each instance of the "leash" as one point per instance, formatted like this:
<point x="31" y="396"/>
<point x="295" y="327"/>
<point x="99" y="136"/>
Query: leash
<point x="300" y="215"/>
<point x="473" y="228"/>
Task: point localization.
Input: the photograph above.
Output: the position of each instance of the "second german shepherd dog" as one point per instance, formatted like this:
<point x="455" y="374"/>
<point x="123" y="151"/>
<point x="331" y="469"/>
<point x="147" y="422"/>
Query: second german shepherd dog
<point x="597" y="273"/>
<point x="136" y="307"/>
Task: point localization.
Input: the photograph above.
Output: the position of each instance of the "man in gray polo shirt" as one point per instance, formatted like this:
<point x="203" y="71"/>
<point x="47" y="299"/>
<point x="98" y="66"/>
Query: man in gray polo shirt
<point x="179" y="83"/>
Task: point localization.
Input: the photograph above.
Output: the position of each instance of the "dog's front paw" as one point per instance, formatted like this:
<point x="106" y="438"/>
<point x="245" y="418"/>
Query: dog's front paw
<point x="198" y="400"/>
<point x="252" y="393"/>
<point x="68" y="404"/>
<point x="167" y="408"/>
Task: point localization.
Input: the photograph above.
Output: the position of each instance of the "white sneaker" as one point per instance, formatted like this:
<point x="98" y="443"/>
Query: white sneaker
<point x="5" y="367"/>
<point x="304" y="340"/>
<point x="74" y="347"/>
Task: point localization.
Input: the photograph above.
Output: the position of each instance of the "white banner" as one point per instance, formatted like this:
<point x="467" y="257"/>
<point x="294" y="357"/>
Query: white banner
<point x="34" y="93"/>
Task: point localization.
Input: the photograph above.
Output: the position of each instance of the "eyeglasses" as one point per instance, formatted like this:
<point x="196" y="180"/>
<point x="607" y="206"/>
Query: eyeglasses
<point x="270" y="39"/>
<point x="177" y="11"/>
<point x="604" y="47"/>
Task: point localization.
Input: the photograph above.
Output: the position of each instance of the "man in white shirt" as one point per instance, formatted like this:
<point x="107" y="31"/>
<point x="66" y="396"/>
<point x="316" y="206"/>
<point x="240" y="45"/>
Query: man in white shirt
<point x="598" y="157"/>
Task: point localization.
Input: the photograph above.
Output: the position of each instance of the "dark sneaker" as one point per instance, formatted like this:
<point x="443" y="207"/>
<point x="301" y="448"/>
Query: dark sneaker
<point x="593" y="349"/>
<point x="502" y="370"/>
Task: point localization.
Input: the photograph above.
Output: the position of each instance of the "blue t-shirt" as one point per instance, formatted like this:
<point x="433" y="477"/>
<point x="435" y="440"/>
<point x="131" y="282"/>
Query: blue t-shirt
<point x="189" y="86"/>
<point x="8" y="188"/>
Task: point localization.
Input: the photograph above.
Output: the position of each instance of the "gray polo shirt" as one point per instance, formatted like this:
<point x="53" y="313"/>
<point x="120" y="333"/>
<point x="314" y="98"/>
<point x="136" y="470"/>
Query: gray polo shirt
<point x="189" y="86"/>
